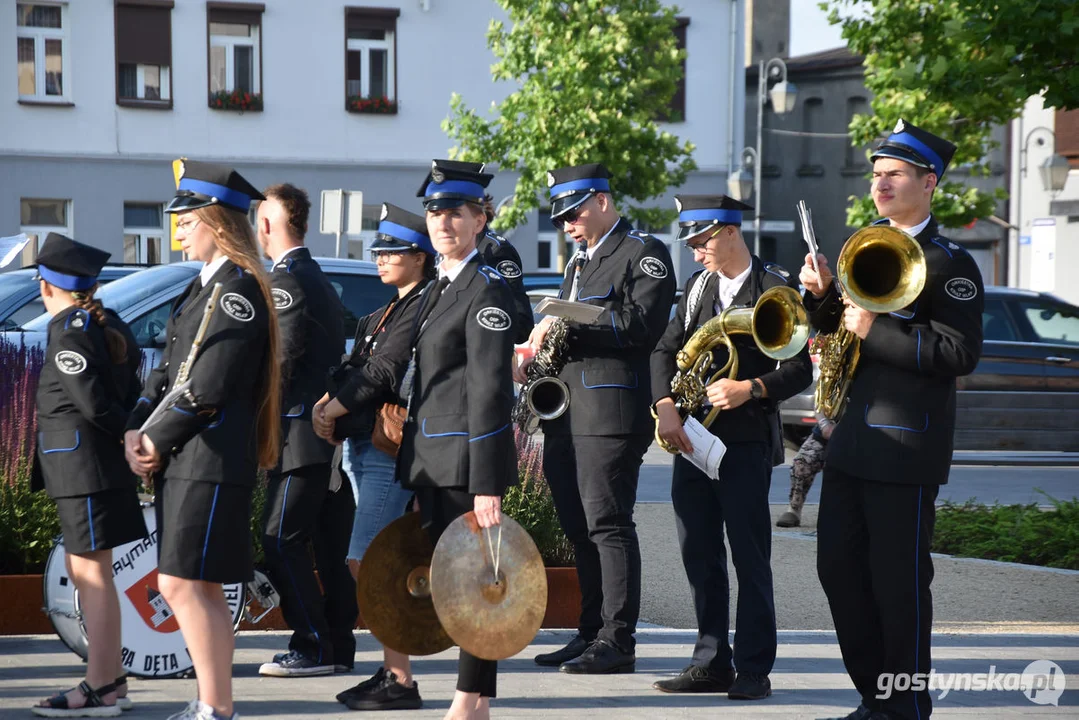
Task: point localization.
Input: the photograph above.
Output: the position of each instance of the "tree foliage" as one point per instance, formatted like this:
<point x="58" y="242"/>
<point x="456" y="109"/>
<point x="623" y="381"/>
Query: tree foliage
<point x="592" y="77"/>
<point x="957" y="68"/>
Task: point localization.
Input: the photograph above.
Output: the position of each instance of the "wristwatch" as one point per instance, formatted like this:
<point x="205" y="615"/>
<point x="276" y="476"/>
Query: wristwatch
<point x="756" y="390"/>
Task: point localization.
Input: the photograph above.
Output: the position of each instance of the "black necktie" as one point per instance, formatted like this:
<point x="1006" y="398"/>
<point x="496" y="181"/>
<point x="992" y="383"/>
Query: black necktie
<point x="196" y="287"/>
<point x="432" y="299"/>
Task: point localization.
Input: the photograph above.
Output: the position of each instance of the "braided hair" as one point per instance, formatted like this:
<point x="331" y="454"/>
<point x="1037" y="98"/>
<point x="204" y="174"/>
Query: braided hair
<point x="114" y="339"/>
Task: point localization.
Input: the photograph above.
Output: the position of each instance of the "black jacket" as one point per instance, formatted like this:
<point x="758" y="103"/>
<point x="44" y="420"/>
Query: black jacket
<point x="83" y="403"/>
<point x="497" y="252"/>
<point x="373" y="372"/>
<point x="311" y="321"/>
<point x="755" y="420"/>
<point x="607" y="363"/>
<point x="459" y="433"/>
<point x="213" y="438"/>
<point x="899" y="423"/>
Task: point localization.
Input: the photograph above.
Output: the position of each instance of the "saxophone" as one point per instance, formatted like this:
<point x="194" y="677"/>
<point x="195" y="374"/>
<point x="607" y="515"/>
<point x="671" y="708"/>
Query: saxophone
<point x="544" y="396"/>
<point x="779" y="326"/>
<point x="880" y="269"/>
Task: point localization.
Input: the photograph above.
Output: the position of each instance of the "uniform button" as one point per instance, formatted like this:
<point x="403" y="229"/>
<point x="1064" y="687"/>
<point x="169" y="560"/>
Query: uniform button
<point x="173" y="338"/>
<point x="166" y="363"/>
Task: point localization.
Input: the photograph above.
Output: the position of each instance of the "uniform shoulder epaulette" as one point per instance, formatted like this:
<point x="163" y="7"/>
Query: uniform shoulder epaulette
<point x="496" y="237"/>
<point x="641" y="235"/>
<point x="948" y="246"/>
<point x="882" y="221"/>
<point x="79" y="319"/>
<point x="490" y="273"/>
<point x="777" y="270"/>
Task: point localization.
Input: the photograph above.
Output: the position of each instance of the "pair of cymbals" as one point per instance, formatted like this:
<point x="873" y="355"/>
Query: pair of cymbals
<point x="421" y="600"/>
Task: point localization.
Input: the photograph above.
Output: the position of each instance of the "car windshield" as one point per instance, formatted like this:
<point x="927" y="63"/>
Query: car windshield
<point x="122" y="294"/>
<point x="14" y="283"/>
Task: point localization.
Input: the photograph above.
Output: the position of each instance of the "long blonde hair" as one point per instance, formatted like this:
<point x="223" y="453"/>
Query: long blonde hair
<point x="235" y="238"/>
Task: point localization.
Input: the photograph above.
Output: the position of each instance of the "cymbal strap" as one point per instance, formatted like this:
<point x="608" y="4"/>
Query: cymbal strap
<point x="496" y="553"/>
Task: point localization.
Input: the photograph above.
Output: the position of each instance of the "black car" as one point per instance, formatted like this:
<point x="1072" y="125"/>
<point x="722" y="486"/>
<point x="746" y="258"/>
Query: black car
<point x="1024" y="393"/>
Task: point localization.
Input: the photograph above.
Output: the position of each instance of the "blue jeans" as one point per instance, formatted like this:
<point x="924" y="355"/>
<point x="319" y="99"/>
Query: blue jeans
<point x="380" y="499"/>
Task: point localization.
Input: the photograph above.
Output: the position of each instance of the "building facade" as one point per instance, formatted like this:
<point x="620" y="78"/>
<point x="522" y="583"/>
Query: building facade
<point x="106" y="93"/>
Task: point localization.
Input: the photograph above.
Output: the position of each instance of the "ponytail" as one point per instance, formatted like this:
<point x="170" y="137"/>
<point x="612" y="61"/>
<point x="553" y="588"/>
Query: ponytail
<point x="114" y="339"/>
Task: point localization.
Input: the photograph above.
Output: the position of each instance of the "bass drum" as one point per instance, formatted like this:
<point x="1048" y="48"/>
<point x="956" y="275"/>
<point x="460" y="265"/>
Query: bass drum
<point x="152" y="645"/>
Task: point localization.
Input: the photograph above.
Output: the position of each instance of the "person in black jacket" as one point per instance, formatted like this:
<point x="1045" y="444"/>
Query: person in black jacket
<point x="457" y="449"/>
<point x="88" y="386"/>
<point x="592" y="454"/>
<point x="372" y="375"/>
<point x="299" y="504"/>
<point x="495" y="251"/>
<point x="202" y="453"/>
<point x="747" y="423"/>
<point x="892" y="450"/>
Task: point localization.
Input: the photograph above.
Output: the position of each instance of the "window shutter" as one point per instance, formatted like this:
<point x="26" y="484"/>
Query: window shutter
<point x="144" y="33"/>
<point x="239" y="13"/>
<point x="371" y="18"/>
<point x="1067" y="133"/>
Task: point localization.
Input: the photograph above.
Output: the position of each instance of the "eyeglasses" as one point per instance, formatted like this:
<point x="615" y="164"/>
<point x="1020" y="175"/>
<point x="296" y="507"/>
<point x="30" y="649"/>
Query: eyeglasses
<point x="187" y="226"/>
<point x="700" y="247"/>
<point x="571" y="215"/>
<point x="385" y="257"/>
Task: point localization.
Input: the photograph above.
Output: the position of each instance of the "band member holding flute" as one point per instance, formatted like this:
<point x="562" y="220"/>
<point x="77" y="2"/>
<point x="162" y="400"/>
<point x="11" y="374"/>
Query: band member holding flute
<point x="892" y="450"/>
<point x="457" y="450"/>
<point x="592" y="453"/>
<point x="748" y="425"/>
<point x="87" y="388"/>
<point x="203" y="453"/>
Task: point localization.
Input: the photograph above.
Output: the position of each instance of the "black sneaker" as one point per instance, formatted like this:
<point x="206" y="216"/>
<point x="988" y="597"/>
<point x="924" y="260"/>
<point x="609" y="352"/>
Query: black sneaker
<point x="293" y="664"/>
<point x="387" y="695"/>
<point x="361" y="688"/>
<point x="750" y="686"/>
<point x="697" y="679"/>
<point x="861" y="713"/>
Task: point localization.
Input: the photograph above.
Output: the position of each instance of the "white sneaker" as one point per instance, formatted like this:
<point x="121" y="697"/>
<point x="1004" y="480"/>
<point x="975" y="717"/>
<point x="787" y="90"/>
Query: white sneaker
<point x="188" y="713"/>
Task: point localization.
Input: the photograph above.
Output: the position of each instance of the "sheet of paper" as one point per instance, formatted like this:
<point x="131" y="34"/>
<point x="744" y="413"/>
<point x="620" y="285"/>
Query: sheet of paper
<point x="806" y="216"/>
<point x="573" y="311"/>
<point x="708" y="450"/>
<point x="11" y="246"/>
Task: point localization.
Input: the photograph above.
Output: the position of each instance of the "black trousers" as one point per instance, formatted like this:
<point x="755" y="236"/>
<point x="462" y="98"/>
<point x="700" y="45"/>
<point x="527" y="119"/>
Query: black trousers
<point x="873" y="542"/>
<point x="593" y="481"/>
<point x="300" y="509"/>
<point x="703" y="507"/>
<point x="440" y="507"/>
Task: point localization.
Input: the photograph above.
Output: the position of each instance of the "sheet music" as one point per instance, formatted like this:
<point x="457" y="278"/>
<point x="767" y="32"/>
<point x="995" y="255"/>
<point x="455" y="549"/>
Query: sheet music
<point x="806" y="216"/>
<point x="11" y="246"/>
<point x="708" y="450"/>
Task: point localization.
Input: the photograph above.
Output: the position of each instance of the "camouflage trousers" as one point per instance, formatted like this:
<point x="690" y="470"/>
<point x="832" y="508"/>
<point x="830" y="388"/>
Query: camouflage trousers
<point x="804" y="468"/>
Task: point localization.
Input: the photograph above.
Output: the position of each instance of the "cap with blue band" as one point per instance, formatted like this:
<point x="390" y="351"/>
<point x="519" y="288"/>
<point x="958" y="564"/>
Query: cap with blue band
<point x="918" y="147"/>
<point x="400" y="231"/>
<point x="571" y="186"/>
<point x="451" y="183"/>
<point x="203" y="184"/>
<point x="700" y="213"/>
<point x="69" y="265"/>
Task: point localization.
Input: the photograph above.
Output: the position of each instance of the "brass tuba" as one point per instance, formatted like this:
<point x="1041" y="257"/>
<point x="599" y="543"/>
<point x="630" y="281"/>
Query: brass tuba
<point x="779" y="326"/>
<point x="544" y="396"/>
<point x="880" y="269"/>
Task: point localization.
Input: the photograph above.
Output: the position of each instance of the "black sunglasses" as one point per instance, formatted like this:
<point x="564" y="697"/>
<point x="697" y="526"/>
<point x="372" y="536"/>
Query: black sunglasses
<point x="570" y="215"/>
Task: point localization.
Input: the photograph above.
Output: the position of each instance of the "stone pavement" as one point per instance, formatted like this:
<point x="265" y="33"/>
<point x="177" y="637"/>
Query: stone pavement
<point x="808" y="680"/>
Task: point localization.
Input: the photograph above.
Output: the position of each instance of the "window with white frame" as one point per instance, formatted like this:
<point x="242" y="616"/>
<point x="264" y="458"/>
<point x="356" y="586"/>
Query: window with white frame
<point x="370" y="55"/>
<point x="37" y="218"/>
<point x="144" y="234"/>
<point x="359" y="246"/>
<point x="41" y="38"/>
<point x="235" y="47"/>
<point x="143" y="52"/>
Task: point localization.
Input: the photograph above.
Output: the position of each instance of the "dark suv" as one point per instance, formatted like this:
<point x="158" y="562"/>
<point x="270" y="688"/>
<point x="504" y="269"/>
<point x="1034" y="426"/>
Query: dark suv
<point x="1024" y="393"/>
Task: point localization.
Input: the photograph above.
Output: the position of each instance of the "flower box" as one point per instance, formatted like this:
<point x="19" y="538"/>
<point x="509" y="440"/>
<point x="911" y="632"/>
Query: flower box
<point x="371" y="106"/>
<point x="236" y="100"/>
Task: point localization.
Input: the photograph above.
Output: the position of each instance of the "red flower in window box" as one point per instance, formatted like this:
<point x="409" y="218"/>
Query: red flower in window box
<point x="236" y="100"/>
<point x="380" y="105"/>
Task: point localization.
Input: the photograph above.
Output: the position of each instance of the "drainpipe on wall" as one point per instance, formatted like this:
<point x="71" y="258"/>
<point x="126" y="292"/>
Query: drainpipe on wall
<point x="730" y="85"/>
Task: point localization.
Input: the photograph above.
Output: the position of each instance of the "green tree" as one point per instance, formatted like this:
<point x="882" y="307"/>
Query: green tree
<point x="593" y="76"/>
<point x="957" y="68"/>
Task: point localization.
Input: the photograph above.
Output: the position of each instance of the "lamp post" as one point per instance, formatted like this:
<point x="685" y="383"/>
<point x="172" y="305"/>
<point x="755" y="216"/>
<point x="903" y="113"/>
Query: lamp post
<point x="784" y="95"/>
<point x="1054" y="175"/>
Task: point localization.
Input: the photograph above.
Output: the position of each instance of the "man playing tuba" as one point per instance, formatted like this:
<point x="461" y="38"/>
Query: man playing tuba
<point x="748" y="424"/>
<point x="892" y="450"/>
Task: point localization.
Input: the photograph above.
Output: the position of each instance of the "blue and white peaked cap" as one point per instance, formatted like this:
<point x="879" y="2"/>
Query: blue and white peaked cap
<point x="700" y="213"/>
<point x="917" y="147"/>
<point x="571" y="186"/>
<point x="203" y="184"/>
<point x="401" y="231"/>
<point x="69" y="265"/>
<point x="451" y="183"/>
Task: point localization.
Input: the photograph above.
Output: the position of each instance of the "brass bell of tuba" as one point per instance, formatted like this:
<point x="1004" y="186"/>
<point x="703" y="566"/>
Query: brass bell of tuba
<point x="779" y="326"/>
<point x="880" y="269"/>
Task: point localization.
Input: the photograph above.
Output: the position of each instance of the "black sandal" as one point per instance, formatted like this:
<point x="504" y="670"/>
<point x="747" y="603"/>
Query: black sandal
<point x="124" y="703"/>
<point x="57" y="706"/>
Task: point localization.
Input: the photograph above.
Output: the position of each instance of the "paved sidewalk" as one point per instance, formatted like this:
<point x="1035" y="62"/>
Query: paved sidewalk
<point x="808" y="681"/>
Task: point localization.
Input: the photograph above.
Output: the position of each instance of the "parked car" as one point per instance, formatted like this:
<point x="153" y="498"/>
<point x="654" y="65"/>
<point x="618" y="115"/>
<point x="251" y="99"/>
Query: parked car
<point x="145" y="300"/>
<point x="1024" y="393"/>
<point x="20" y="295"/>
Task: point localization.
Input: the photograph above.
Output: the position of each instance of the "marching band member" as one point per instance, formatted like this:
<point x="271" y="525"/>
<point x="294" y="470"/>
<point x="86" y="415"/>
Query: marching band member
<point x="299" y="504"/>
<point x="406" y="260"/>
<point x="747" y="424"/>
<point x="495" y="251"/>
<point x="892" y="451"/>
<point x="204" y="452"/>
<point x="592" y="454"/>
<point x="87" y="388"/>
<point x="457" y="451"/>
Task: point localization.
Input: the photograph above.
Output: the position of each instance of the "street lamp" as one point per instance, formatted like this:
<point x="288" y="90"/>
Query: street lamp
<point x="740" y="183"/>
<point x="784" y="96"/>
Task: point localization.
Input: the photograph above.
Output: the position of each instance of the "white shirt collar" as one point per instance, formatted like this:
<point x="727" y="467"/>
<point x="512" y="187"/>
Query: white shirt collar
<point x="729" y="287"/>
<point x="917" y="229"/>
<point x="592" y="250"/>
<point x="286" y="254"/>
<point x="453" y="272"/>
<point x="210" y="269"/>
